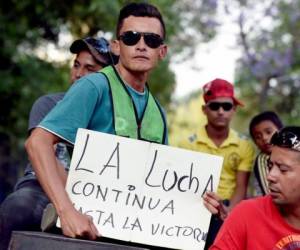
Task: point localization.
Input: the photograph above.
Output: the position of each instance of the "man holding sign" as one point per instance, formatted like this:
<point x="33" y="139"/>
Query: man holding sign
<point x="115" y="101"/>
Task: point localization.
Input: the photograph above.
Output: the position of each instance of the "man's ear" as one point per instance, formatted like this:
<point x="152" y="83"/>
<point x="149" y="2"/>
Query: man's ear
<point x="163" y="50"/>
<point x="115" y="47"/>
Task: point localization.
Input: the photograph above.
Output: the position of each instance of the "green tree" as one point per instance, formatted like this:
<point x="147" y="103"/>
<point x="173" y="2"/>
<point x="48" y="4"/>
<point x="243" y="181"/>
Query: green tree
<point x="268" y="71"/>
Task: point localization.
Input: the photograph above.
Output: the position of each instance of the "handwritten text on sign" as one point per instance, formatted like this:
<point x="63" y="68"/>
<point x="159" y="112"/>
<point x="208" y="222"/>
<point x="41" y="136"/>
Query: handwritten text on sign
<point x="142" y="192"/>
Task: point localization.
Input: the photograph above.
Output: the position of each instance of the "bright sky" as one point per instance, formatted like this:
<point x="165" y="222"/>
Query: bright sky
<point x="216" y="60"/>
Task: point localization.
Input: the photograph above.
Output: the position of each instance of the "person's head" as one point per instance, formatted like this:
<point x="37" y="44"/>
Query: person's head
<point x="262" y="127"/>
<point x="140" y="36"/>
<point x="91" y="55"/>
<point x="220" y="103"/>
<point x="284" y="167"/>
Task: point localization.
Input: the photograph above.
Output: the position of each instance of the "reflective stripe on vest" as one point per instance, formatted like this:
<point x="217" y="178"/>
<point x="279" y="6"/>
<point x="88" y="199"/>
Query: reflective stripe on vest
<point x="152" y="126"/>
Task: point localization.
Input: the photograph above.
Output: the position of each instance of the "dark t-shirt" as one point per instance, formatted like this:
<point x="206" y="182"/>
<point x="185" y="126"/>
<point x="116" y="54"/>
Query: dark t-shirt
<point x="41" y="107"/>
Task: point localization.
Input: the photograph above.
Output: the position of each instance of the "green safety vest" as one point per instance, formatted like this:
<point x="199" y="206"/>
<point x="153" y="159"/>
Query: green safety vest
<point x="151" y="127"/>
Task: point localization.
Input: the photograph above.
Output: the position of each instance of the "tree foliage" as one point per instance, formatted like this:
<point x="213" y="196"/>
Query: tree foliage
<point x="268" y="71"/>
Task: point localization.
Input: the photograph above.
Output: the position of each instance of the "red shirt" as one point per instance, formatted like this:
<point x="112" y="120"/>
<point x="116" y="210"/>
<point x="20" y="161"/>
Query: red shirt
<point x="256" y="224"/>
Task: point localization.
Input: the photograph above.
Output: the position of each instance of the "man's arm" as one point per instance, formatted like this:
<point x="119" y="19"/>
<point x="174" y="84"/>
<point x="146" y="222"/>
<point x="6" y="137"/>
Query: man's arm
<point x="243" y="172"/>
<point x="62" y="172"/>
<point x="240" y="191"/>
<point x="214" y="204"/>
<point x="40" y="148"/>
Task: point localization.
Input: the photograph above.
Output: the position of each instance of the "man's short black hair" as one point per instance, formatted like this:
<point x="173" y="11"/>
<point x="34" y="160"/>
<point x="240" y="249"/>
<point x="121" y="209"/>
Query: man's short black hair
<point x="139" y="10"/>
<point x="265" y="116"/>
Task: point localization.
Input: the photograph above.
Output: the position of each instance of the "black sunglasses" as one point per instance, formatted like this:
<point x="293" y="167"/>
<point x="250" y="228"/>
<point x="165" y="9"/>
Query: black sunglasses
<point x="214" y="106"/>
<point x="131" y="38"/>
<point x="286" y="139"/>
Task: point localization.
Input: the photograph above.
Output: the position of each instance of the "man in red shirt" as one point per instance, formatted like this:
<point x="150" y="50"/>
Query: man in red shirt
<point x="272" y="221"/>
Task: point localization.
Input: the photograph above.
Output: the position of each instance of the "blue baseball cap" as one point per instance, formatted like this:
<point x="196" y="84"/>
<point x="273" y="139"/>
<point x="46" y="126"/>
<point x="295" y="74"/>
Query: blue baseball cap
<point x="99" y="49"/>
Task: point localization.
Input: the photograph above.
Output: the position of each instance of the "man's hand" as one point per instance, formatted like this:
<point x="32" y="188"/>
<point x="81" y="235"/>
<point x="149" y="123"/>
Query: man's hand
<point x="214" y="204"/>
<point x="77" y="225"/>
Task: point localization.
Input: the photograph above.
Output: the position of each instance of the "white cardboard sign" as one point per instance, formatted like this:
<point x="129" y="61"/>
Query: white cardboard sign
<point x="142" y="192"/>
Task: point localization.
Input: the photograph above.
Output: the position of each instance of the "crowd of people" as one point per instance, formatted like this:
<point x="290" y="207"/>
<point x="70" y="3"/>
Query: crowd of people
<point x="109" y="93"/>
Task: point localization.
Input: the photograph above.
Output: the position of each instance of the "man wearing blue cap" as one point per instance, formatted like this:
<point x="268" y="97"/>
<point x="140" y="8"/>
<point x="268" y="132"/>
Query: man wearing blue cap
<point x="23" y="209"/>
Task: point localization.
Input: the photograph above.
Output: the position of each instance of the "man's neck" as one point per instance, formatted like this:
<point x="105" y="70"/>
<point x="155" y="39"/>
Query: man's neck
<point x="217" y="135"/>
<point x="136" y="80"/>
<point x="291" y="214"/>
